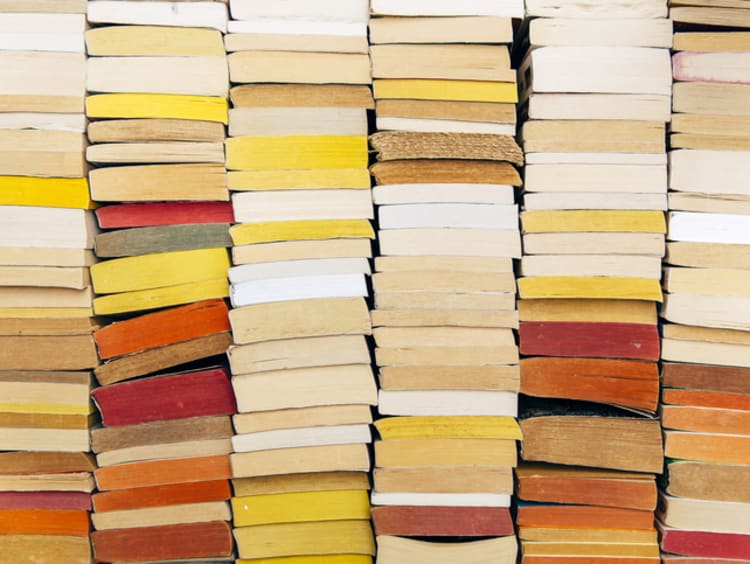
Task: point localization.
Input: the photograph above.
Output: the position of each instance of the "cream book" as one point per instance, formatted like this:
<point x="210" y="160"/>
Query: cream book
<point x="504" y="8"/>
<point x="398" y="550"/>
<point x="42" y="32"/>
<point x="440" y="499"/>
<point x="594" y="201"/>
<point x="431" y="29"/>
<point x="466" y="216"/>
<point x="294" y="268"/>
<point x="175" y="14"/>
<point x="642" y="107"/>
<point x="600" y="10"/>
<point x="294" y="205"/>
<point x="442" y="126"/>
<point x="451" y="242"/>
<point x="350" y="11"/>
<point x="443" y="194"/>
<point x="710" y="172"/>
<point x="609" y="31"/>
<point x="627" y="266"/>
<point x="596" y="178"/>
<point x="447" y="402"/>
<point x="297" y="121"/>
<point x="302" y="437"/>
<point x="63" y="228"/>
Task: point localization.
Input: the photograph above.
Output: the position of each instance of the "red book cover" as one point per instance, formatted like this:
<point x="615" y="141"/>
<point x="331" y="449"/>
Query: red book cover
<point x="634" y="341"/>
<point x="167" y="542"/>
<point x="173" y="396"/>
<point x="159" y="496"/>
<point x="121" y="216"/>
<point x="76" y="501"/>
<point x="705" y="544"/>
<point x="424" y="521"/>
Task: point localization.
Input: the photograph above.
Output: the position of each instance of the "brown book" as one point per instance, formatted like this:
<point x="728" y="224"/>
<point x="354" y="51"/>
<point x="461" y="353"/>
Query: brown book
<point x="45" y="462"/>
<point x="289" y="483"/>
<point x="154" y="129"/>
<point x="397" y="145"/>
<point x="426" y="171"/>
<point x="42" y="352"/>
<point x="706" y="480"/>
<point x="437" y="521"/>
<point x="48" y="326"/>
<point x="301" y="95"/>
<point x="439" y="109"/>
<point x="46" y="549"/>
<point x="706" y="377"/>
<point x="593" y="136"/>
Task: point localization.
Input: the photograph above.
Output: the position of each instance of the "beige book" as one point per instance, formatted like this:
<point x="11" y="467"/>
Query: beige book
<point x="456" y="479"/>
<point x="461" y="29"/>
<point x="316" y="416"/>
<point x="442" y="281"/>
<point x="609" y="179"/>
<point x="301" y="250"/>
<point x="31" y="296"/>
<point x="441" y="317"/>
<point x="31" y="256"/>
<point x="42" y="153"/>
<point x="186" y="449"/>
<point x="719" y="311"/>
<point x="45" y="440"/>
<point x="400" y="453"/>
<point x="682" y="343"/>
<point x="304" y="482"/>
<point x="613" y="31"/>
<point x="595" y="201"/>
<point x="648" y="107"/>
<point x="198" y="76"/>
<point x="711" y="98"/>
<point x="709" y="142"/>
<point x="446" y="355"/>
<point x="156" y="152"/>
<point x="305" y="387"/>
<point x="165" y="515"/>
<point x="448" y="62"/>
<point x="399" y="550"/>
<point x="408" y="337"/>
<point x="298" y="43"/>
<point x="155" y="129"/>
<point x="645" y="244"/>
<point x="712" y="42"/>
<point x="595" y="136"/>
<point x="726" y="282"/>
<point x="42" y="81"/>
<point x="708" y="255"/>
<point x="592" y="265"/>
<point x="451" y="242"/>
<point x="717" y="16"/>
<point x="468" y="377"/>
<point x="709" y="203"/>
<point x="300" y="318"/>
<point x="707" y="124"/>
<point x="444" y="263"/>
<point x="447" y="301"/>
<point x="50" y="276"/>
<point x="304" y="68"/>
<point x="44" y="6"/>
<point x="297" y="121"/>
<point x="59" y="482"/>
<point x="292" y="205"/>
<point x="300" y="460"/>
<point x="154" y="41"/>
<point x="599" y="311"/>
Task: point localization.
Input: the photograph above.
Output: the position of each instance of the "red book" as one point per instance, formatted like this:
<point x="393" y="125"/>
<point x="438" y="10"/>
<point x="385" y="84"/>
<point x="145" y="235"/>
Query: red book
<point x="167" y="542"/>
<point x="704" y="544"/>
<point x="173" y="396"/>
<point x="159" y="496"/>
<point x="424" y="521"/>
<point x="599" y="340"/>
<point x="80" y="501"/>
<point x="173" y="213"/>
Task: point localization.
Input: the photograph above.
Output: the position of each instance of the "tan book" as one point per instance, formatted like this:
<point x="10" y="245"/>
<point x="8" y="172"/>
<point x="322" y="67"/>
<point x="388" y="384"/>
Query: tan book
<point x="443" y="281"/>
<point x="159" y="516"/>
<point x="592" y="265"/>
<point x="296" y="67"/>
<point x="305" y="387"/>
<point x="290" y="483"/>
<point x="48" y="325"/>
<point x="167" y="451"/>
<point x="712" y="42"/>
<point x="451" y="62"/>
<point x="442" y="110"/>
<point x="447" y="301"/>
<point x="300" y="318"/>
<point x="396" y="145"/>
<point x="300" y="43"/>
<point x="43" y="481"/>
<point x="444" y="263"/>
<point x="466" y="29"/>
<point x="154" y="41"/>
<point x="644" y="244"/>
<point x="297" y="121"/>
<point x="170" y="182"/>
<point x="455" y="479"/>
<point x="42" y="153"/>
<point x="717" y="16"/>
<point x="46" y="548"/>
<point x="51" y="297"/>
<point x="44" y="6"/>
<point x="598" y="311"/>
<point x="446" y="355"/>
<point x="711" y="98"/>
<point x="407" y="337"/>
<point x="468" y="377"/>
<point x="399" y="550"/>
<point x="445" y="171"/>
<point x="708" y="255"/>
<point x="41" y="256"/>
<point x="42" y="353"/>
<point x="156" y="152"/>
<point x="301" y="96"/>
<point x="316" y="416"/>
<point x="133" y="130"/>
<point x="400" y="453"/>
<point x="593" y="136"/>
<point x="301" y="460"/>
<point x="446" y="318"/>
<point x="45" y="276"/>
<point x="706" y="480"/>
<point x="198" y="76"/>
<point x="711" y="125"/>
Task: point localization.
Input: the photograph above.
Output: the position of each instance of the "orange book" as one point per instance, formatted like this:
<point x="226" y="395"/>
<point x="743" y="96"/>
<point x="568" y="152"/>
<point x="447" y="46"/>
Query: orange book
<point x="163" y="472"/>
<point x="584" y="516"/>
<point x="702" y="420"/>
<point x="158" y="496"/>
<point x="584" y="560"/>
<point x="165" y="327"/>
<point x="44" y="522"/>
<point x="703" y="398"/>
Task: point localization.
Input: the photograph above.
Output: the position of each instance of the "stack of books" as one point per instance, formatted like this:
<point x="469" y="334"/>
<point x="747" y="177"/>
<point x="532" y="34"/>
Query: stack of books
<point x="297" y="158"/>
<point x="46" y="236"/>
<point x="705" y="507"/>
<point x="445" y="307"/>
<point x="596" y="88"/>
<point x="158" y="85"/>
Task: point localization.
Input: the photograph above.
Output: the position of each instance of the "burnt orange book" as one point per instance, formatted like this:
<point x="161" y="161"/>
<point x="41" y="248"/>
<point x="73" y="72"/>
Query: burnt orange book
<point x="705" y="398"/>
<point x="593" y="517"/>
<point x="586" y="486"/>
<point x="589" y="560"/>
<point x="707" y="447"/>
<point x="45" y="462"/>
<point x="168" y="542"/>
<point x="162" y="328"/>
<point x="705" y="420"/>
<point x="159" y="496"/>
<point x="44" y="522"/>
<point x="421" y="171"/>
<point x="727" y="379"/>
<point x="627" y="383"/>
<point x="163" y="472"/>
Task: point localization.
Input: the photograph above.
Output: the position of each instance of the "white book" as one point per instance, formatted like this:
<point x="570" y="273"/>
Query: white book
<point x="297" y="121"/>
<point x="43" y="32"/>
<point x="443" y="126"/>
<point x="441" y="499"/>
<point x="654" y="159"/>
<point x="622" y="266"/>
<point x="447" y="402"/>
<point x="292" y="268"/>
<point x="600" y="9"/>
<point x="292" y="205"/>
<point x="298" y="288"/>
<point x="469" y="216"/>
<point x="597" y="178"/>
<point x="712" y="67"/>
<point x="43" y="74"/>
<point x="298" y="27"/>
<point x="602" y="70"/>
<point x="694" y="227"/>
<point x="443" y="193"/>
<point x="594" y="201"/>
<point x="645" y="107"/>
<point x="177" y="14"/>
<point x="322" y="10"/>
<point x="47" y="121"/>
<point x="710" y="172"/>
<point x="41" y="227"/>
<point x="617" y="31"/>
<point x="504" y="8"/>
<point x="302" y="437"/>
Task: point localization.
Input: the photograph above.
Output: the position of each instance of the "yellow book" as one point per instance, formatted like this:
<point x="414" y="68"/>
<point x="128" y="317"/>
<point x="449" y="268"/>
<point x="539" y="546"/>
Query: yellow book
<point x="158" y="270"/>
<point x="320" y="179"/>
<point x="161" y="297"/>
<point x="268" y="232"/>
<point x="167" y="106"/>
<point x="591" y="287"/>
<point x="297" y="152"/>
<point x="327" y="559"/>
<point x="303" y="539"/>
<point x="46" y="408"/>
<point x="300" y="507"/>
<point x="46" y="192"/>
<point x="457" y="427"/>
<point x="454" y="90"/>
<point x="154" y="41"/>
<point x="45" y="312"/>
<point x="594" y="221"/>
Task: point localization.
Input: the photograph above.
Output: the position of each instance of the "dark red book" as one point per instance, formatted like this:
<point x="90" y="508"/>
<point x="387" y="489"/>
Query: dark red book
<point x="169" y="213"/>
<point x="168" y="542"/>
<point x="598" y="340"/>
<point x="426" y="521"/>
<point x="80" y="501"/>
<point x="704" y="544"/>
<point x="172" y="396"/>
